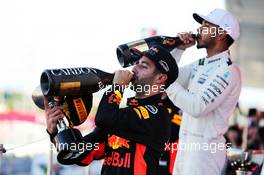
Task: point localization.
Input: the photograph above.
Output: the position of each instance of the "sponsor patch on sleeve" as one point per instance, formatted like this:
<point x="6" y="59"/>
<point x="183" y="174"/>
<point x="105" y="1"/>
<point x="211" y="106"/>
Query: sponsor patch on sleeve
<point x="152" y="109"/>
<point x="142" y="112"/>
<point x="115" y="97"/>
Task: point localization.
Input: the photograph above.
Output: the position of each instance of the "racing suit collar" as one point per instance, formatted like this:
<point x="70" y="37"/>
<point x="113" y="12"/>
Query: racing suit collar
<point x="149" y="100"/>
<point x="223" y="56"/>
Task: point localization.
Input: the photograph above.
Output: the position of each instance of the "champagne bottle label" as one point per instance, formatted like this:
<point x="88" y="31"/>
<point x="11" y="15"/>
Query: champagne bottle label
<point x="70" y="87"/>
<point x="73" y="81"/>
<point x="70" y="71"/>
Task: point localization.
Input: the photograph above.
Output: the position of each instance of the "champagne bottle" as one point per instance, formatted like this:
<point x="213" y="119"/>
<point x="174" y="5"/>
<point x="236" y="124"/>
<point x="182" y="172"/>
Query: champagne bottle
<point x="73" y="81"/>
<point x="127" y="57"/>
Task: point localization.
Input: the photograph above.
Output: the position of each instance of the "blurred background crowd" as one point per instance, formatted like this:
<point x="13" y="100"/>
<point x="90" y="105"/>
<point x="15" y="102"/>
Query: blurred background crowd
<point x="246" y="130"/>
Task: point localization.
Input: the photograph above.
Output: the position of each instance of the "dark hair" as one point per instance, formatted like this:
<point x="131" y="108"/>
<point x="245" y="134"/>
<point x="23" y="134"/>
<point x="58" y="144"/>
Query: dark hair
<point x="236" y="129"/>
<point x="252" y="112"/>
<point x="229" y="40"/>
<point x="261" y="134"/>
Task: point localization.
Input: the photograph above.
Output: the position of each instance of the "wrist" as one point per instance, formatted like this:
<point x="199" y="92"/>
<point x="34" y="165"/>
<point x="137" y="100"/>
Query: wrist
<point x="51" y="135"/>
<point x="118" y="87"/>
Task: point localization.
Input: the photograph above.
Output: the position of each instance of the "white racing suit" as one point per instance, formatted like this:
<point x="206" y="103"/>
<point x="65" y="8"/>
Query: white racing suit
<point x="207" y="91"/>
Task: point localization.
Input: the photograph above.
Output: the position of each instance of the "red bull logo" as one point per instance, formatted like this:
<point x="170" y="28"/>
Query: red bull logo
<point x="116" y="142"/>
<point x="116" y="97"/>
<point x="116" y="160"/>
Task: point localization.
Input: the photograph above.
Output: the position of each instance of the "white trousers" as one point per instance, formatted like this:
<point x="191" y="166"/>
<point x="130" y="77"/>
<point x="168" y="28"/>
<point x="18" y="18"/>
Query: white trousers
<point x="196" y="156"/>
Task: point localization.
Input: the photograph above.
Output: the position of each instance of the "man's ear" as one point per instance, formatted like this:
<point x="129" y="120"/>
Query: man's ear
<point x="222" y="35"/>
<point x="161" y="78"/>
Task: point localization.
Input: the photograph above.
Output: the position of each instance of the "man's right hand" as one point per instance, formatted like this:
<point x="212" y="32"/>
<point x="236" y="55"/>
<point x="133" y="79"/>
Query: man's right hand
<point x="123" y="77"/>
<point x="187" y="39"/>
<point x="52" y="116"/>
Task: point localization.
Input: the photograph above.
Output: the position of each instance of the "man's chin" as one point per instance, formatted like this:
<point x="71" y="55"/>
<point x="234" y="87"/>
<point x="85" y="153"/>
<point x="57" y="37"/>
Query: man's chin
<point x="134" y="82"/>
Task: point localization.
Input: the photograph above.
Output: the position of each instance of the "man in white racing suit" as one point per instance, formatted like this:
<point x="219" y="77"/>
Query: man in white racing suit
<point x="207" y="91"/>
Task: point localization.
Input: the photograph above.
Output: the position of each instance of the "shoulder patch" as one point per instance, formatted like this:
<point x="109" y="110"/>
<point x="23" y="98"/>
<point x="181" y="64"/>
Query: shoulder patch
<point x="176" y="119"/>
<point x="227" y="74"/>
<point x="138" y="112"/>
<point x="152" y="109"/>
<point x="115" y="97"/>
<point x="142" y="112"/>
<point x="201" y="62"/>
<point x="229" y="62"/>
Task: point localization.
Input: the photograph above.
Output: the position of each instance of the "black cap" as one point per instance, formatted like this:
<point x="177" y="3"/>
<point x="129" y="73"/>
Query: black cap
<point x="164" y="62"/>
